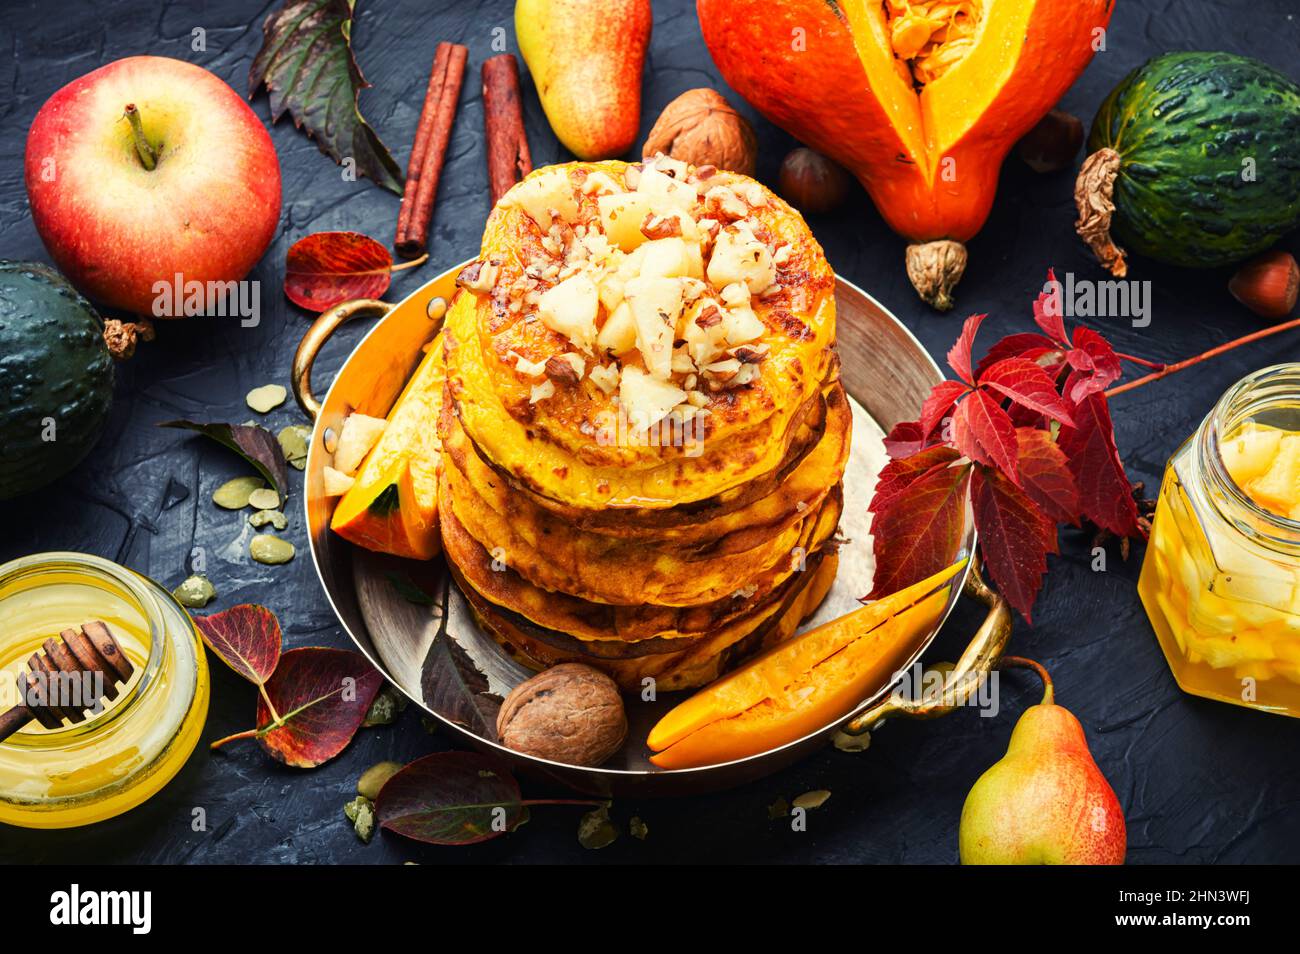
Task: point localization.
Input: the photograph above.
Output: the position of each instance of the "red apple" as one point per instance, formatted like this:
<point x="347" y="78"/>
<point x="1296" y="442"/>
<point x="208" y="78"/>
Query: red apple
<point x="206" y="211"/>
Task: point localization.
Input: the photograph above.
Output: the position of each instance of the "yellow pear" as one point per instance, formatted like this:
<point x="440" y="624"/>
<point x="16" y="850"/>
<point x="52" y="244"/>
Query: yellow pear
<point x="586" y="57"/>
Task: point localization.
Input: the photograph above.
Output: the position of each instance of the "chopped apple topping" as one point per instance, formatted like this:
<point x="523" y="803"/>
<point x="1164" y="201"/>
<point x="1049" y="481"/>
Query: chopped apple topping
<point x="337" y="483"/>
<point x="599" y="182"/>
<point x="671" y="258"/>
<point x="644" y="399"/>
<point x="665" y="191"/>
<point x="618" y="336"/>
<point x="546" y="195"/>
<point x="741" y="325"/>
<point x="605" y="377"/>
<point x="533" y="369"/>
<point x="570" y="308"/>
<point x="740" y="257"/>
<point x="621" y="216"/>
<point x="541" y="392"/>
<point x="656" y="305"/>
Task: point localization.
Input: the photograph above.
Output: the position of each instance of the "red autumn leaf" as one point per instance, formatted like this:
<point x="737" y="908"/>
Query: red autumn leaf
<point x="1015" y="537"/>
<point x="941" y="400"/>
<point x="1045" y="475"/>
<point x="1026" y="344"/>
<point x="1049" y="314"/>
<point x="983" y="432"/>
<point x="314" y="704"/>
<point x="1095" y="363"/>
<point x="899" y="474"/>
<point x="451" y="798"/>
<point x="918" y="533"/>
<point x="1105" y="494"/>
<point x="959" y="357"/>
<point x="328" y="268"/>
<point x="905" y="439"/>
<point x="246" y="637"/>
<point x="1027" y="385"/>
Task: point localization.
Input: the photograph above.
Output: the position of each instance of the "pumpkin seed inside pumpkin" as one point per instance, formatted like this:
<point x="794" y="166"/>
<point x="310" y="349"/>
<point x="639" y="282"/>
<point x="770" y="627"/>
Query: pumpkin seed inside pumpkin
<point x="195" y="592"/>
<point x="293" y="444"/>
<point x="264" y="498"/>
<point x="265" y="548"/>
<point x="266" y="398"/>
<point x="234" y="494"/>
<point x="274" y="517"/>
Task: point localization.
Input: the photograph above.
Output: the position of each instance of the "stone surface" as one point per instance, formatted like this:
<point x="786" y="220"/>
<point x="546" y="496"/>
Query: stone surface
<point x="1199" y="781"/>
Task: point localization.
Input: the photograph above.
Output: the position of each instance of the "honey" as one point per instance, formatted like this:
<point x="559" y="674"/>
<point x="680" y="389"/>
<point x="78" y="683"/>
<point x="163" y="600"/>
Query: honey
<point x="129" y="748"/>
<point x="1221" y="577"/>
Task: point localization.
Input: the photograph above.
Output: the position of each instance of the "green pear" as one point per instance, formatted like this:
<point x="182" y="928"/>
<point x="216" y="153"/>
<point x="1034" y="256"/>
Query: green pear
<point x="1046" y="801"/>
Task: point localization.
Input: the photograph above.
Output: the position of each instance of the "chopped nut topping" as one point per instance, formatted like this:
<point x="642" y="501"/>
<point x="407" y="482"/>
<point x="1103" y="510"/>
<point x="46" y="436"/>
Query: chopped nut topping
<point x="565" y="368"/>
<point x="722" y="203"/>
<point x="541" y="392"/>
<point x="478" y="276"/>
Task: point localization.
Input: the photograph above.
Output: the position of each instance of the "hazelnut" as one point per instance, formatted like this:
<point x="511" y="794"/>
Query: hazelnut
<point x="1268" y="284"/>
<point x="569" y="713"/>
<point x="811" y="182"/>
<point x="1053" y="142"/>
<point x="702" y="128"/>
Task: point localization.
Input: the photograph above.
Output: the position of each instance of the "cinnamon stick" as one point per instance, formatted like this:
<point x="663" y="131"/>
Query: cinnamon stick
<point x="430" y="149"/>
<point x="508" y="157"/>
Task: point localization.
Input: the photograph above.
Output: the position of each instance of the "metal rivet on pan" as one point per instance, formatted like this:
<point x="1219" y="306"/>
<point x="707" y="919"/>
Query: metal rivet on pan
<point x="329" y="440"/>
<point x="436" y="308"/>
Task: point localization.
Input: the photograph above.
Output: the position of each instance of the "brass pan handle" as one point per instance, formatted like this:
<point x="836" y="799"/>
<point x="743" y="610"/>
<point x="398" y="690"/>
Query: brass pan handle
<point x="981" y="656"/>
<point x="315" y="339"/>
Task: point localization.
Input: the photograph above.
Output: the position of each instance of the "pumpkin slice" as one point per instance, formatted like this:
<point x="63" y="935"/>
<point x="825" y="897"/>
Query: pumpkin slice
<point x="393" y="505"/>
<point x="801" y="684"/>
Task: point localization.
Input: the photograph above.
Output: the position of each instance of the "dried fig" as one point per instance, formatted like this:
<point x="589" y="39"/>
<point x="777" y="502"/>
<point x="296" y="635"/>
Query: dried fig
<point x="569" y="713"/>
<point x="702" y="128"/>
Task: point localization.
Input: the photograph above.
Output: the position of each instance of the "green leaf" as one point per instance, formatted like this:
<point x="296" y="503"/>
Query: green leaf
<point x="307" y="66"/>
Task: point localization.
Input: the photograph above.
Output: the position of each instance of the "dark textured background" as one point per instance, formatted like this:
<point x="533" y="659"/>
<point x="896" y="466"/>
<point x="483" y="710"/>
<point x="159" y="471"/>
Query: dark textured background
<point x="1199" y="781"/>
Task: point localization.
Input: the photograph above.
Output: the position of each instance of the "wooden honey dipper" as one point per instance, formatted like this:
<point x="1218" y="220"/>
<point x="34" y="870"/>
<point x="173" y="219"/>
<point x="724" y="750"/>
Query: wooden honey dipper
<point x="91" y="649"/>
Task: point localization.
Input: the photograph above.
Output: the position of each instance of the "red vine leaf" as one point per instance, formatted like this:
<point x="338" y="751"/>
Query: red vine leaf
<point x="327" y="268"/>
<point x="985" y="433"/>
<point x="897" y="475"/>
<point x="321" y="696"/>
<point x="246" y="637"/>
<point x="918" y="533"/>
<point x="905" y="439"/>
<point x="1026" y="344"/>
<point x="1048" y="311"/>
<point x="959" y="357"/>
<point x="1105" y="494"/>
<point x="1095" y="363"/>
<point x="935" y="408"/>
<point x="1027" y="385"/>
<point x="451" y="798"/>
<point x="1014" y="537"/>
<point x="1045" y="475"/>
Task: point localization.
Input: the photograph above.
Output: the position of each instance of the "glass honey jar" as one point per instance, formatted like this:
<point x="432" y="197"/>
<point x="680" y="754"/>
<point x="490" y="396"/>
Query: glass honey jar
<point x="1221" y="577"/>
<point x="134" y="744"/>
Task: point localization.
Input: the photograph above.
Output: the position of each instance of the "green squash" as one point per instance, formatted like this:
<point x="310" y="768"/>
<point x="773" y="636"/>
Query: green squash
<point x="1209" y="147"/>
<point x="56" y="377"/>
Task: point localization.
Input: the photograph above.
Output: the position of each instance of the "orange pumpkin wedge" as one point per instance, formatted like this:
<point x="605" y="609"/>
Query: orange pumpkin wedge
<point x="920" y="99"/>
<point x="802" y="684"/>
<point x="393" y="506"/>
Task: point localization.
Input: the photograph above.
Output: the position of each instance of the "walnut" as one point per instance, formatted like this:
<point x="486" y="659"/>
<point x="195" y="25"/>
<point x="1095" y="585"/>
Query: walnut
<point x="700" y="127"/>
<point x="569" y="713"/>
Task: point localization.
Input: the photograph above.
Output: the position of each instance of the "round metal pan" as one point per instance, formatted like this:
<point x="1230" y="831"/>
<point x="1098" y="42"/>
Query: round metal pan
<point x="439" y="657"/>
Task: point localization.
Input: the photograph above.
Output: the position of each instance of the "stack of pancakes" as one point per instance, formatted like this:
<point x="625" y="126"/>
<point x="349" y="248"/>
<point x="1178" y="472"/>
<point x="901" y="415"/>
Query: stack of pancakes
<point x="585" y="515"/>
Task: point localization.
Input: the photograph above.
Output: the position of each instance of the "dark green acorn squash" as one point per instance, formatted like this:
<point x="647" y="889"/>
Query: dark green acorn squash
<point x="56" y="377"/>
<point x="1208" y="161"/>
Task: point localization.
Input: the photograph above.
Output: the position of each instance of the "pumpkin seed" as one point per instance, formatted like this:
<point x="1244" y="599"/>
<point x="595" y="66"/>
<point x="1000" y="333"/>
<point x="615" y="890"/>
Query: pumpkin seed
<point x="852" y="743"/>
<point x="195" y="592"/>
<point x="266" y="398"/>
<point x="814" y="799"/>
<point x="638" y="828"/>
<point x="385" y="709"/>
<point x="373" y="778"/>
<point x="361" y="812"/>
<point x="274" y="517"/>
<point x="596" y="830"/>
<point x="264" y="498"/>
<point x="293" y="444"/>
<point x="265" y="548"/>
<point x="234" y="494"/>
<point x="778" y="809"/>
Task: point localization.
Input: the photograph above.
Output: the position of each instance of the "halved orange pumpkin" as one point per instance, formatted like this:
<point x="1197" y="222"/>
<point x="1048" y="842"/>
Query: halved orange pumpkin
<point x="920" y="99"/>
<point x="393" y="506"/>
